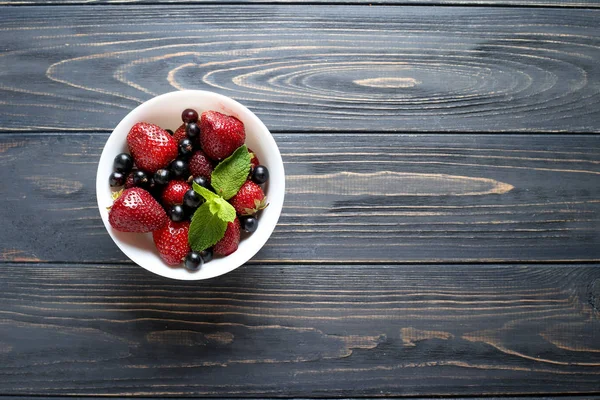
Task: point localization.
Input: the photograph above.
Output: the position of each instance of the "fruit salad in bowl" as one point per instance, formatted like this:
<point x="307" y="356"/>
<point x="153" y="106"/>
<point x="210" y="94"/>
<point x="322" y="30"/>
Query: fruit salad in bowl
<point x="190" y="185"/>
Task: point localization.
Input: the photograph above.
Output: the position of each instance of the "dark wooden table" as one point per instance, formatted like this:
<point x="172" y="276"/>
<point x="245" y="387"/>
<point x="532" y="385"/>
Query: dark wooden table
<point x="441" y="230"/>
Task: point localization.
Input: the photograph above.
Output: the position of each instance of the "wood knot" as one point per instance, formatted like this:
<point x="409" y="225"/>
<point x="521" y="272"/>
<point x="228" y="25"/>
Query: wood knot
<point x="594" y="294"/>
<point x="410" y="336"/>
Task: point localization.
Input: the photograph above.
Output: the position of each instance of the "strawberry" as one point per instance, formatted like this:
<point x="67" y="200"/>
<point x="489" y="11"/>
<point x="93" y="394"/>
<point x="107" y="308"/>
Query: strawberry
<point x="220" y="134"/>
<point x="200" y="165"/>
<point x="254" y="162"/>
<point x="229" y="243"/>
<point x="174" y="192"/>
<point x="249" y="199"/>
<point x="136" y="211"/>
<point x="171" y="240"/>
<point x="179" y="133"/>
<point x="151" y="146"/>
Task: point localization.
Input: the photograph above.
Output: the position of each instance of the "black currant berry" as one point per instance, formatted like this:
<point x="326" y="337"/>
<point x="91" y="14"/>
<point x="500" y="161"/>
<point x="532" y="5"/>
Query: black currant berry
<point x="116" y="179"/>
<point x="193" y="261"/>
<point x="141" y="179"/>
<point x="192" y="199"/>
<point x="123" y="163"/>
<point x="192" y="130"/>
<point x="161" y="177"/>
<point x="179" y="168"/>
<point x="177" y="213"/>
<point x="260" y="174"/>
<point x="206" y="255"/>
<point x="202" y="181"/>
<point x="189" y="115"/>
<point x="186" y="147"/>
<point x="249" y="224"/>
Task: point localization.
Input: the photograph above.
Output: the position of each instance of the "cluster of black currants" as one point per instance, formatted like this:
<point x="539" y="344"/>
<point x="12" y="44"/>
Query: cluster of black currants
<point x="195" y="259"/>
<point x="187" y="146"/>
<point x="122" y="166"/>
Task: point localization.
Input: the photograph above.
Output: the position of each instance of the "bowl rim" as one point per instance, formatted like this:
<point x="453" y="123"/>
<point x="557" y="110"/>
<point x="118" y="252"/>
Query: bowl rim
<point x="275" y="195"/>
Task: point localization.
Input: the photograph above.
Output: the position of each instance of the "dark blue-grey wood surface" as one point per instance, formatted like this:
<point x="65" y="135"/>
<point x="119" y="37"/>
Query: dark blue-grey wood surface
<point x="440" y="236"/>
<point x="350" y="198"/>
<point x="308" y="68"/>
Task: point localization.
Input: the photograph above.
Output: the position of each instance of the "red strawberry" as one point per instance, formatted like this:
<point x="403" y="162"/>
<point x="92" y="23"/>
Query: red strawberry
<point x="179" y="133"/>
<point x="220" y="134"/>
<point x="174" y="192"/>
<point x="200" y="165"/>
<point x="151" y="146"/>
<point x="171" y="240"/>
<point x="249" y="199"/>
<point x="229" y="243"/>
<point x="253" y="159"/>
<point x="136" y="211"/>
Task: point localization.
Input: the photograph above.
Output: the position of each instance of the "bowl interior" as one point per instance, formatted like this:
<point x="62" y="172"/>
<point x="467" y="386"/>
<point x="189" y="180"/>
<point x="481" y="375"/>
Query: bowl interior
<point x="165" y="111"/>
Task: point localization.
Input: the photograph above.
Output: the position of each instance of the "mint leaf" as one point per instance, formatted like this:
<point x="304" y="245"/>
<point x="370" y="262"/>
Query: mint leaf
<point x="222" y="209"/>
<point x="226" y="211"/>
<point x="214" y="207"/>
<point x="231" y="173"/>
<point x="204" y="192"/>
<point x="207" y="228"/>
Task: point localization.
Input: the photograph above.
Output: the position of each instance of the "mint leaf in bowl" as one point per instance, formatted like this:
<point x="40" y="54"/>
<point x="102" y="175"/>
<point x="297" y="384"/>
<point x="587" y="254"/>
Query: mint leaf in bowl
<point x="231" y="173"/>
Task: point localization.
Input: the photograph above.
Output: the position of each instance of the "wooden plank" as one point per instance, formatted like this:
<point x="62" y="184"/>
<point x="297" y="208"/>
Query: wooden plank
<point x="307" y="68"/>
<point x="300" y="331"/>
<point x="517" y="3"/>
<point x="349" y="198"/>
<point x="529" y="397"/>
<point x="570" y="396"/>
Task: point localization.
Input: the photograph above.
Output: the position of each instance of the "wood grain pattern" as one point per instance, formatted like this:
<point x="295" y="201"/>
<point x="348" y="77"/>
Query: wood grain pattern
<point x="350" y="198"/>
<point x="518" y="3"/>
<point x="569" y="396"/>
<point x="302" y="330"/>
<point x="306" y="68"/>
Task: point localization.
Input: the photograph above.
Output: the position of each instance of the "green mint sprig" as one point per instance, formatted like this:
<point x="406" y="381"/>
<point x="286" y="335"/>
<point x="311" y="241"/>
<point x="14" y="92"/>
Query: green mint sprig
<point x="231" y="173"/>
<point x="210" y="220"/>
<point x="206" y="228"/>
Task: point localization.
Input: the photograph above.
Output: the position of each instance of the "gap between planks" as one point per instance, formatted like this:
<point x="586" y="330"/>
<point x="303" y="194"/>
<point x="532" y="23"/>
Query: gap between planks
<point x="376" y="3"/>
<point x="341" y="263"/>
<point x="296" y="132"/>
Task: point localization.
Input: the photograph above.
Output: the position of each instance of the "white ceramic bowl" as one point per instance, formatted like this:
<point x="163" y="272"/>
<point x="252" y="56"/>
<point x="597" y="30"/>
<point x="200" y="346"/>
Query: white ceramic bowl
<point x="165" y="111"/>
